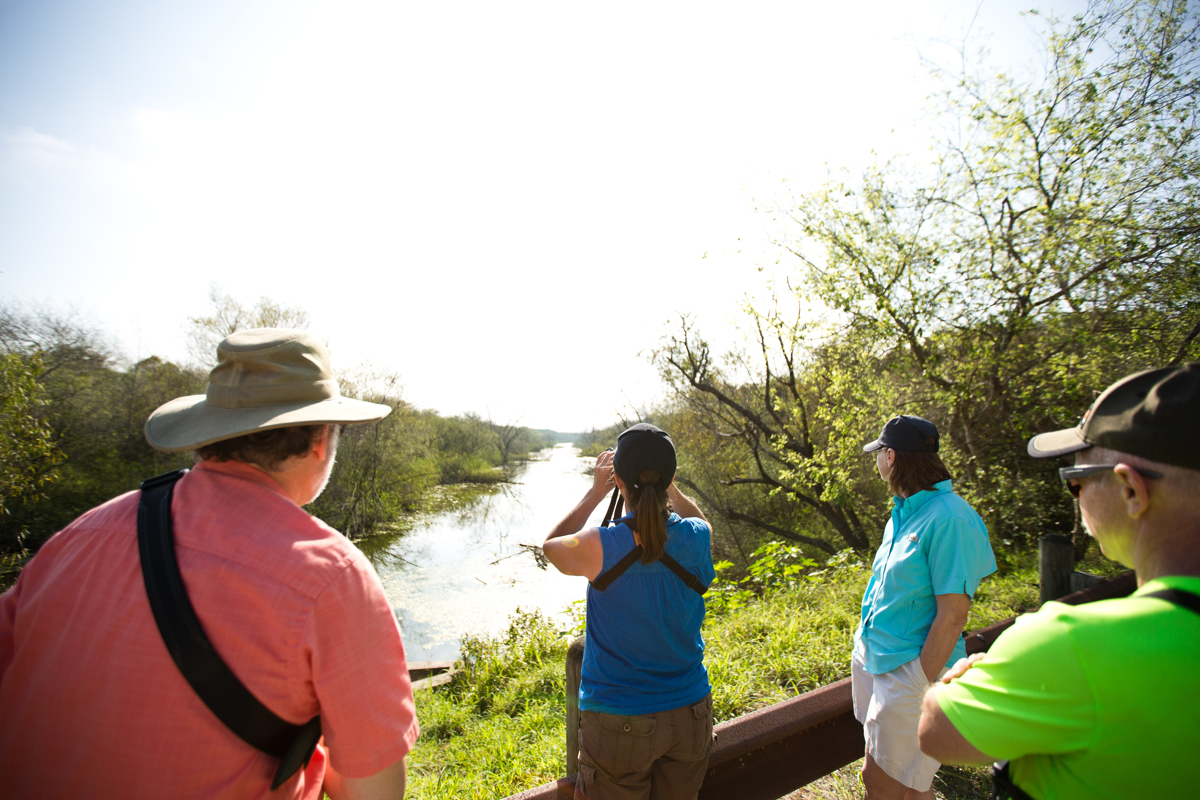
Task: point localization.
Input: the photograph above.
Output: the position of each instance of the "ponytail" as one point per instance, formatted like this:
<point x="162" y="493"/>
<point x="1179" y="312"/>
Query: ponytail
<point x="650" y="515"/>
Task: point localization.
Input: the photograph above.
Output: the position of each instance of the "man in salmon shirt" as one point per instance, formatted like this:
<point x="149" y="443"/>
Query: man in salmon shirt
<point x="93" y="703"/>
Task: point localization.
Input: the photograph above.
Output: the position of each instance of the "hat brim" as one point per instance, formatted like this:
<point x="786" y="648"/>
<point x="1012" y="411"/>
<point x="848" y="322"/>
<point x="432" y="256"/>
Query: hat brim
<point x="871" y="447"/>
<point x="190" y="422"/>
<point x="1057" y="443"/>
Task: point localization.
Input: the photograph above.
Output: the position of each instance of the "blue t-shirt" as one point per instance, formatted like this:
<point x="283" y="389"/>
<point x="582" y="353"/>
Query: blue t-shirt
<point x="934" y="544"/>
<point x="643" y="652"/>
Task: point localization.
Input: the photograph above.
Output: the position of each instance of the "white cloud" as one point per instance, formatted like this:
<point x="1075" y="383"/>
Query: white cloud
<point x="27" y="146"/>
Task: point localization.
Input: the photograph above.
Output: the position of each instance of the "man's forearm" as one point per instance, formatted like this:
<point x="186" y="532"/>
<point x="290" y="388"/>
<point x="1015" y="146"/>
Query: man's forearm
<point x="387" y="784"/>
<point x="939" y="739"/>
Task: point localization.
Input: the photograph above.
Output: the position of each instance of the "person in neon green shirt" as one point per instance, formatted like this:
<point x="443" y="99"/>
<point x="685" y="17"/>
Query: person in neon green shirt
<point x="1101" y="700"/>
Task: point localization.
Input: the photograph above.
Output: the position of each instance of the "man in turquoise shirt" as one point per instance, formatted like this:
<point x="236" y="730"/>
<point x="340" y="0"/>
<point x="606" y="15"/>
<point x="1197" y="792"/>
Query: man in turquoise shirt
<point x="934" y="552"/>
<point x="1101" y="700"/>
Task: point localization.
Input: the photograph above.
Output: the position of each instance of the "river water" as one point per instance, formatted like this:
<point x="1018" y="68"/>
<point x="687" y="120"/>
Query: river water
<point x="461" y="570"/>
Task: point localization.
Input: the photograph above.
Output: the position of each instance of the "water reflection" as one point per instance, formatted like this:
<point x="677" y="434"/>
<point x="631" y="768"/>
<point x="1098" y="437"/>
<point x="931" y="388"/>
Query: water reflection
<point x="460" y="569"/>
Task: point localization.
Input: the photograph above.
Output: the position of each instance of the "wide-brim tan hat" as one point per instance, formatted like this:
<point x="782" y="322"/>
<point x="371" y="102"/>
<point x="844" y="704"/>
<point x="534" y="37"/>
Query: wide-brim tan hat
<point x="265" y="378"/>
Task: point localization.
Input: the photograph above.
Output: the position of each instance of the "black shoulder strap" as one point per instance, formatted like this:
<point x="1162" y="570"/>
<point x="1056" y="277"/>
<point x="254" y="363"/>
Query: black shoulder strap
<point x="616" y="504"/>
<point x="194" y="654"/>
<point x="1179" y="597"/>
<point x="618" y="569"/>
<point x="1002" y="786"/>
<point x="603" y="580"/>
<point x="691" y="580"/>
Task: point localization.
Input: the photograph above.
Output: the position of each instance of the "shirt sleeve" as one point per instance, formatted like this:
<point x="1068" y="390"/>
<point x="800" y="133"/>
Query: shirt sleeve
<point x="1030" y="695"/>
<point x="360" y="675"/>
<point x="959" y="557"/>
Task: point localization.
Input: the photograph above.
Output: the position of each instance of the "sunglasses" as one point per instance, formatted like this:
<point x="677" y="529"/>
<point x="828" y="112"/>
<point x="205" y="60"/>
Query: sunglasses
<point x="1071" y="476"/>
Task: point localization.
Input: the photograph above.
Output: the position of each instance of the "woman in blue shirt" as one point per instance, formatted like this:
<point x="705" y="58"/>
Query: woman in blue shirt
<point x="646" y="706"/>
<point x="934" y="552"/>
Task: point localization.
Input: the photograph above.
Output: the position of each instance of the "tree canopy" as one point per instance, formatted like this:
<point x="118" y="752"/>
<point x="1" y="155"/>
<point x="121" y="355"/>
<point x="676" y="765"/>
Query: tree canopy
<point x="28" y="457"/>
<point x="73" y="412"/>
<point x="230" y="315"/>
<point x="1048" y="250"/>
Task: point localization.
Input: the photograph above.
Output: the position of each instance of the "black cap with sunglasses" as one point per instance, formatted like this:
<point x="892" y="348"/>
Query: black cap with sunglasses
<point x="1153" y="414"/>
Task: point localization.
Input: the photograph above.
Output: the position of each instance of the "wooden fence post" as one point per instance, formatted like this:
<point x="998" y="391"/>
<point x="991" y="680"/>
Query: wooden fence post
<point x="1056" y="562"/>
<point x="574" y="671"/>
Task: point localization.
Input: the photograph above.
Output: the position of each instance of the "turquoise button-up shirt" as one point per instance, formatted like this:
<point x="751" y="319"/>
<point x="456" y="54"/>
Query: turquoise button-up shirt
<point x="934" y="544"/>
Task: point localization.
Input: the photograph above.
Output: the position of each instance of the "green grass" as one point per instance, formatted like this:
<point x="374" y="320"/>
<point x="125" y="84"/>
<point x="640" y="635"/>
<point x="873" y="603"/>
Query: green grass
<point x="789" y="642"/>
<point x="499" y="727"/>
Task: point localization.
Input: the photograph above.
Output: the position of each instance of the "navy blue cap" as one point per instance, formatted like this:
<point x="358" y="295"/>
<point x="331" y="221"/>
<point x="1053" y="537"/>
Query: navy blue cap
<point x="908" y="433"/>
<point x="644" y="447"/>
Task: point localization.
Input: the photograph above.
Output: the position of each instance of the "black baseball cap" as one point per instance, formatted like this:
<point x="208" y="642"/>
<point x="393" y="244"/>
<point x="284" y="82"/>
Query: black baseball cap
<point x="905" y="432"/>
<point x="1153" y="414"/>
<point x="644" y="447"/>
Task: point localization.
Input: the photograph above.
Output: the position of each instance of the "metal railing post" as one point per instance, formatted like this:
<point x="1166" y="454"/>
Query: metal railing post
<point x="574" y="671"/>
<point x="1056" y="562"/>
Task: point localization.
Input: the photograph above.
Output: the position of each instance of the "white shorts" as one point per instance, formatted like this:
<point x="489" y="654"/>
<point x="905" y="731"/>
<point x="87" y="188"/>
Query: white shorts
<point x="889" y="708"/>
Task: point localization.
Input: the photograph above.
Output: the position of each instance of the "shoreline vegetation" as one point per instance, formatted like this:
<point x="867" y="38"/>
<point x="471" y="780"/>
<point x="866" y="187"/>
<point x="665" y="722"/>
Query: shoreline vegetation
<point x="73" y="408"/>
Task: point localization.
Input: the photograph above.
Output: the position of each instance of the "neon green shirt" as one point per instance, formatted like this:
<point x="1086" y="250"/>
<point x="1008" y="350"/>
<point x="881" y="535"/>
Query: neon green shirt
<point x="1100" y="700"/>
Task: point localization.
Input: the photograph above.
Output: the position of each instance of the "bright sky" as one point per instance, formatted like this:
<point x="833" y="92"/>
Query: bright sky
<point x="505" y="203"/>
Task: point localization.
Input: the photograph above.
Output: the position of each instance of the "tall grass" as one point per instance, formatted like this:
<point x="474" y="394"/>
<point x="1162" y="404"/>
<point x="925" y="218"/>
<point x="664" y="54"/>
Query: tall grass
<point x="791" y="640"/>
<point x="499" y="727"/>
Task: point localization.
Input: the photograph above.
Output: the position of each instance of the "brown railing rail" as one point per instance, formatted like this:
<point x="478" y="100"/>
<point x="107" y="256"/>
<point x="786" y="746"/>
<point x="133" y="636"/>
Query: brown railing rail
<point x="768" y="753"/>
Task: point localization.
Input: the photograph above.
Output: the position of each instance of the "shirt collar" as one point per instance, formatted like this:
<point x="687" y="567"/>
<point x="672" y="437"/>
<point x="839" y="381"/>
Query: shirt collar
<point x="628" y="518"/>
<point x="1188" y="583"/>
<point x="239" y="469"/>
<point x="913" y="503"/>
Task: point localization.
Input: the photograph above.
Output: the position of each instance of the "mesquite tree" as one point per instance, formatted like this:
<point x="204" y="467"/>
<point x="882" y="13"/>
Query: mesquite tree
<point x="1050" y="250"/>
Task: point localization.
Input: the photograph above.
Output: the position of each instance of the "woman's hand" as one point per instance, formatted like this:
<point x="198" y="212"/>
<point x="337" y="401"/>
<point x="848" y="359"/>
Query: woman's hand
<point x="568" y="546"/>
<point x="571" y="549"/>
<point x="602" y="476"/>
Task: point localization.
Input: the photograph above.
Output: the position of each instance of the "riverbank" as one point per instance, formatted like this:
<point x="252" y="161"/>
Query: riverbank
<point x="499" y="727"/>
<point x="463" y="567"/>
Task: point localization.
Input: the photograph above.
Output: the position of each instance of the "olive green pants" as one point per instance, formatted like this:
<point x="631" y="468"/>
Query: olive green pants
<point x="660" y="756"/>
